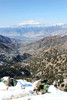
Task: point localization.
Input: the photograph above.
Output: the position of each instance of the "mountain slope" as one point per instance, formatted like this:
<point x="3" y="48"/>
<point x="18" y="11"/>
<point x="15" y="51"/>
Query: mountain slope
<point x="49" y="58"/>
<point x="46" y="43"/>
<point x="7" y="45"/>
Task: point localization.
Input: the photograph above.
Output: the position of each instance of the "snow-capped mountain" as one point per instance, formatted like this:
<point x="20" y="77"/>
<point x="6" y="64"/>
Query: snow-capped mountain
<point x="32" y="32"/>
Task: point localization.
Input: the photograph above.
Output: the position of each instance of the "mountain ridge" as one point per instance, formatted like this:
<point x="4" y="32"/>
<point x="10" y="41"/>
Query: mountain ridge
<point x="47" y="42"/>
<point x="33" y="33"/>
<point x="8" y="45"/>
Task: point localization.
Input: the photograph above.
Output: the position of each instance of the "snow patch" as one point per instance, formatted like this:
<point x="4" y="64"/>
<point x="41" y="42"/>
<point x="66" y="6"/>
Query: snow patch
<point x="24" y="91"/>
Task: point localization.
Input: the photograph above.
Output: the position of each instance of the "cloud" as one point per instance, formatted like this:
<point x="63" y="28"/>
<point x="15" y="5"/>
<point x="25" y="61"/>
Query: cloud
<point x="28" y="22"/>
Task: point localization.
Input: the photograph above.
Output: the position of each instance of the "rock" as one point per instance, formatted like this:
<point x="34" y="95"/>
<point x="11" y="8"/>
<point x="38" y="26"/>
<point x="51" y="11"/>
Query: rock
<point x="41" y="87"/>
<point x="37" y="85"/>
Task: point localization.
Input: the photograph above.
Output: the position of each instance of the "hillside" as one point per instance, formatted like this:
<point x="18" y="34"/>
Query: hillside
<point x="46" y="58"/>
<point x="46" y="43"/>
<point x="49" y="58"/>
<point x="8" y="45"/>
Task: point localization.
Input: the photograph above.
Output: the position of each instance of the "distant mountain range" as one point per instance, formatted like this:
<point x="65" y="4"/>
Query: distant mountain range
<point x="33" y="32"/>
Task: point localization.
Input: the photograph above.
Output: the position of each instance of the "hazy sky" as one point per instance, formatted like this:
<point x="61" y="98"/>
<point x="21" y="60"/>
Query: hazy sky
<point x="13" y="12"/>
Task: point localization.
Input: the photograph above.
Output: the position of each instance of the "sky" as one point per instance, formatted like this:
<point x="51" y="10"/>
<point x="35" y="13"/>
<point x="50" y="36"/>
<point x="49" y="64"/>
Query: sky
<point x="17" y="12"/>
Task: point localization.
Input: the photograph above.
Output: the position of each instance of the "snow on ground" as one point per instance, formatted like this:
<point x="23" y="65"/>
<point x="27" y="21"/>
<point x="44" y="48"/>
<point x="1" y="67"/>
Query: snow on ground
<point x="54" y="94"/>
<point x="24" y="91"/>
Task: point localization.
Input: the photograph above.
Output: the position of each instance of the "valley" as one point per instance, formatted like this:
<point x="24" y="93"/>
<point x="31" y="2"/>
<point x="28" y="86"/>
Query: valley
<point x="45" y="59"/>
